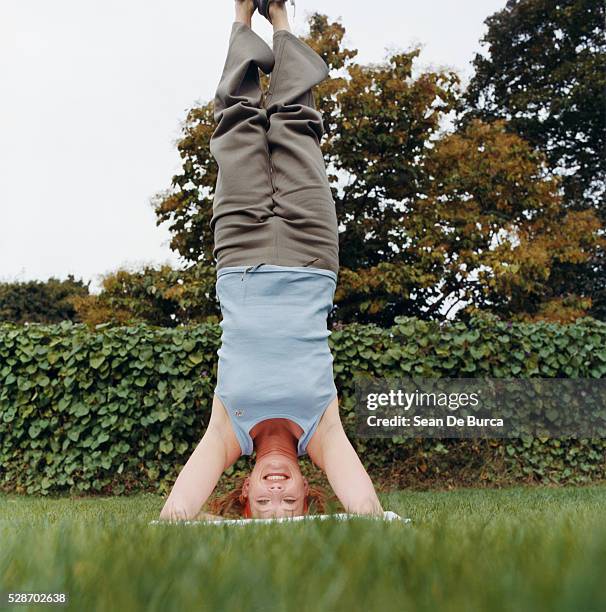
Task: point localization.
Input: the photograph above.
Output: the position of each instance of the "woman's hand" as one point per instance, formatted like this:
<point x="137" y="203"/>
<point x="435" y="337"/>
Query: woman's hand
<point x="172" y="512"/>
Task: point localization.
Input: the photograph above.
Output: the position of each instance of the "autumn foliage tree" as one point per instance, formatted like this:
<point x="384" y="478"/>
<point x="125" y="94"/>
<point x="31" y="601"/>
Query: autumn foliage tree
<point x="431" y="220"/>
<point x="543" y="70"/>
<point x="159" y="296"/>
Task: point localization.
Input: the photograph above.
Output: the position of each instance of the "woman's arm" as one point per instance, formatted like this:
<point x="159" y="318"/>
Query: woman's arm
<point x="332" y="452"/>
<point x="198" y="478"/>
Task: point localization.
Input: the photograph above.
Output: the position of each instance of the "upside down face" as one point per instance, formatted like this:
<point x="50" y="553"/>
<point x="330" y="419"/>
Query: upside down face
<point x="275" y="488"/>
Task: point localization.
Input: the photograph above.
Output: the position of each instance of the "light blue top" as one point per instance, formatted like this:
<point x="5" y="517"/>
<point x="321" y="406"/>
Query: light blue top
<point x="274" y="360"/>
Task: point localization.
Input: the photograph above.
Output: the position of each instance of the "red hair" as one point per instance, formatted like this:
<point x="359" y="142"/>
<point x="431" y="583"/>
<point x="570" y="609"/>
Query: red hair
<point x="234" y="502"/>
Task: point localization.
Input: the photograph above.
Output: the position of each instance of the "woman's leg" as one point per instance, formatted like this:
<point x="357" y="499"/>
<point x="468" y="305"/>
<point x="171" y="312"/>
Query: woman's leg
<point x="306" y="222"/>
<point x="242" y="208"/>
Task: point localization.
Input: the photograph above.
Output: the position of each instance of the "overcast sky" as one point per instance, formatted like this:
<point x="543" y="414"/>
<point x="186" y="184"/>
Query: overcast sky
<point x="92" y="94"/>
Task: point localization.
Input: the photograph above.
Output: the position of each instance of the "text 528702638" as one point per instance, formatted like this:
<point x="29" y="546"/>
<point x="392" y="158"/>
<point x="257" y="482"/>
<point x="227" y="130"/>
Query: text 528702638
<point x="15" y="598"/>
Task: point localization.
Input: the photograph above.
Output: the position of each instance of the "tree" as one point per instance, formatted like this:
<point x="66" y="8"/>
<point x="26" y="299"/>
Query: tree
<point x="544" y="71"/>
<point x="484" y="233"/>
<point x="36" y="301"/>
<point x="165" y="297"/>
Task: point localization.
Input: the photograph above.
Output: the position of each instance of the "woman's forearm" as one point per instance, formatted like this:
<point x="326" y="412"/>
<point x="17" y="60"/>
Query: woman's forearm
<point x="197" y="480"/>
<point x="347" y="476"/>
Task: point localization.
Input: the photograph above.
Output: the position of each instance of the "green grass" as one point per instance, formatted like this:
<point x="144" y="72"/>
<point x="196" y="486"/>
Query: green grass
<point x="517" y="549"/>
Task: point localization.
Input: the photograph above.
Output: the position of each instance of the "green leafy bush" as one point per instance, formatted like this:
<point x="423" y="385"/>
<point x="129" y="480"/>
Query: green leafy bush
<point x="120" y="408"/>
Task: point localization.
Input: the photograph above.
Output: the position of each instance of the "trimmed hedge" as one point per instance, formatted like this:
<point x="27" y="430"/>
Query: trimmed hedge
<point x="121" y="408"/>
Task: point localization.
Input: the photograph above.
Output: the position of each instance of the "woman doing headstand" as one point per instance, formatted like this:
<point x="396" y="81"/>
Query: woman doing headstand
<point x="276" y="245"/>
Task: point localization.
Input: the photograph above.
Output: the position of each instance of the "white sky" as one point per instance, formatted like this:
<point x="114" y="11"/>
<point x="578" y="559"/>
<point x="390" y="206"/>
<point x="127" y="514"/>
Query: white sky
<point x="92" y="94"/>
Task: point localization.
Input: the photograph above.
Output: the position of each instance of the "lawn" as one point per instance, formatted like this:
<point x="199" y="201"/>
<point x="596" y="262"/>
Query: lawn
<point x="515" y="549"/>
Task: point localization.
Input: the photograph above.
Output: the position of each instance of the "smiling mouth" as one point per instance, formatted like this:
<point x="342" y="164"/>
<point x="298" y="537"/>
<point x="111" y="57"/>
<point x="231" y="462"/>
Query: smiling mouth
<point x="275" y="476"/>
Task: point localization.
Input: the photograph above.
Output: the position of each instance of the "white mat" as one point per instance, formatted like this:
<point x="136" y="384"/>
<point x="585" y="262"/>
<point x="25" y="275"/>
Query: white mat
<point x="388" y="515"/>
